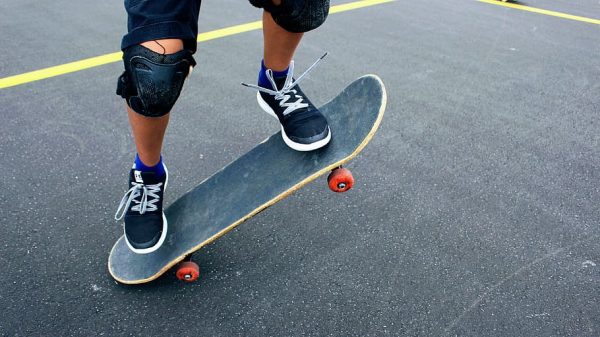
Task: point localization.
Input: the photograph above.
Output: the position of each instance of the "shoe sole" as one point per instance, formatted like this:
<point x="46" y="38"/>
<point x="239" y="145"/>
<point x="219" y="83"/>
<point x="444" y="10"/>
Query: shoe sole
<point x="163" y="235"/>
<point x="296" y="146"/>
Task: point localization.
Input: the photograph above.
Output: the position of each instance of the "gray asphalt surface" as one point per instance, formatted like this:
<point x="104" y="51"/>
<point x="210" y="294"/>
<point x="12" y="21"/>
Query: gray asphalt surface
<point x="476" y="209"/>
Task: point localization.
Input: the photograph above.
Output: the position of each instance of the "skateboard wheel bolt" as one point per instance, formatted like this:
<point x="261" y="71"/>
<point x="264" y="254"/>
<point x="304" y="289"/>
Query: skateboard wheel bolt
<point x="340" y="180"/>
<point x="188" y="271"/>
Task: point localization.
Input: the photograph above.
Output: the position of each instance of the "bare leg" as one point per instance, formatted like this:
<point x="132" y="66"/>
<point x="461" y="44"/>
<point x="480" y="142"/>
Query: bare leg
<point x="279" y="44"/>
<point x="148" y="133"/>
<point x="304" y="128"/>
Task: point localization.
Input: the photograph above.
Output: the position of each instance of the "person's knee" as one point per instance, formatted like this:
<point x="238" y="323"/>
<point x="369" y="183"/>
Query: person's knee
<point x="298" y="16"/>
<point x="152" y="81"/>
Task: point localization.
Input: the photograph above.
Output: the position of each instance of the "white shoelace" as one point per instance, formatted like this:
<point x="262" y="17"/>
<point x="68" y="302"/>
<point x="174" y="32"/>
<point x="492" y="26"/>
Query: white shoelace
<point x="143" y="205"/>
<point x="284" y="95"/>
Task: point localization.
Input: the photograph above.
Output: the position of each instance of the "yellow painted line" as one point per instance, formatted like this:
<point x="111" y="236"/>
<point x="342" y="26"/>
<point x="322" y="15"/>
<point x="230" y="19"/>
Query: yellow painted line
<point x="356" y="5"/>
<point x="542" y="11"/>
<point x="92" y="62"/>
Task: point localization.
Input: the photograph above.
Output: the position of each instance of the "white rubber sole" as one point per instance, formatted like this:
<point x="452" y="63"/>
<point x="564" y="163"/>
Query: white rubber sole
<point x="289" y="142"/>
<point x="163" y="235"/>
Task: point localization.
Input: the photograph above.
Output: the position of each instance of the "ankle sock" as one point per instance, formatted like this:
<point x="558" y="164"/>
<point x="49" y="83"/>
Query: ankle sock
<point x="157" y="169"/>
<point x="263" y="81"/>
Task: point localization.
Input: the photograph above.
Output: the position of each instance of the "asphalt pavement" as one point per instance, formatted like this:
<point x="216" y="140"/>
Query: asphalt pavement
<point x="476" y="209"/>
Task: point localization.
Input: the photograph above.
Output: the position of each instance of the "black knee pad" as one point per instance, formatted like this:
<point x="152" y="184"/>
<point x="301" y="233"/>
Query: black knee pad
<point x="152" y="82"/>
<point x="296" y="16"/>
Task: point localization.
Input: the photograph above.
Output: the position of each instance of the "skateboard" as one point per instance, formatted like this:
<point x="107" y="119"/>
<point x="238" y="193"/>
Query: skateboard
<point x="255" y="181"/>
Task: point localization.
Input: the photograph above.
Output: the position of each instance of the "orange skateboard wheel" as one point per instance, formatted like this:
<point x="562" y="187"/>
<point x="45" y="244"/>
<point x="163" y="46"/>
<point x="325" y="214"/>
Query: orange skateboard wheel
<point x="188" y="271"/>
<point x="340" y="180"/>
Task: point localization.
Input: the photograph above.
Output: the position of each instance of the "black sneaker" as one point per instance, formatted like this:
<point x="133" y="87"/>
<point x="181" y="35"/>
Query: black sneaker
<point x="303" y="127"/>
<point x="141" y="206"/>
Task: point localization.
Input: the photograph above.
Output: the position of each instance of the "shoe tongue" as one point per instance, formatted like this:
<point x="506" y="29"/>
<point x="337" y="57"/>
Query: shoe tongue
<point x="145" y="178"/>
<point x="280" y="81"/>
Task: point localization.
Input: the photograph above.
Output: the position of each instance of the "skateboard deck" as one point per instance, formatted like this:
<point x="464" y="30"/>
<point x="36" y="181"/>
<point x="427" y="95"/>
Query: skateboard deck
<point x="258" y="179"/>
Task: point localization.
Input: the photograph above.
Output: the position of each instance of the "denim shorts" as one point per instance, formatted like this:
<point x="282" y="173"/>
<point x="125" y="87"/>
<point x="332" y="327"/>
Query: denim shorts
<point x="149" y="20"/>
